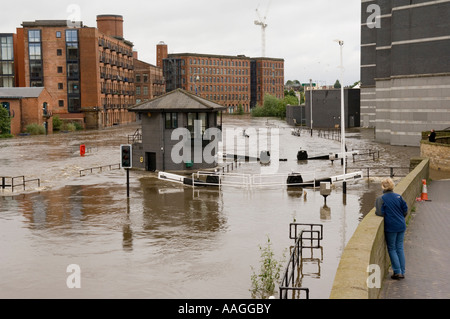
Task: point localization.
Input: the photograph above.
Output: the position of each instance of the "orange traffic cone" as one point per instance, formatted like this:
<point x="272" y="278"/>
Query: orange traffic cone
<point x="424" y="190"/>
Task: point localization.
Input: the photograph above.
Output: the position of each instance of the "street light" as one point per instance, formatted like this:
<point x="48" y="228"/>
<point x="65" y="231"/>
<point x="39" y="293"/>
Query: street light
<point x="310" y="104"/>
<point x="341" y="44"/>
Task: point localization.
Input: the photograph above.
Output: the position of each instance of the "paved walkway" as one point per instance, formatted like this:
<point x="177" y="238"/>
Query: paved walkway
<point x="427" y="249"/>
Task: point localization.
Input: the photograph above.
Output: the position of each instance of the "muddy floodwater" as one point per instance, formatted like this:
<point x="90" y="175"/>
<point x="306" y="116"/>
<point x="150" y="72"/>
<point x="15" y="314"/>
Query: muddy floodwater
<point x="169" y="240"/>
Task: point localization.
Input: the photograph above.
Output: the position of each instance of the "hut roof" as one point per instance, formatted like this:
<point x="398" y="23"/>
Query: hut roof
<point x="177" y="100"/>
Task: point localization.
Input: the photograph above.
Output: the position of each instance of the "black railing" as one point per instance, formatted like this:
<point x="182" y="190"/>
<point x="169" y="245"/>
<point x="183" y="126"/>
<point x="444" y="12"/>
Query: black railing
<point x="136" y="137"/>
<point x="99" y="169"/>
<point x="6" y="182"/>
<point x="306" y="238"/>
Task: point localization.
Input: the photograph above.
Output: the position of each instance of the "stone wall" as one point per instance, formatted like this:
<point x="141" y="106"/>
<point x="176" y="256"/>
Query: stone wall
<point x="368" y="247"/>
<point x="439" y="153"/>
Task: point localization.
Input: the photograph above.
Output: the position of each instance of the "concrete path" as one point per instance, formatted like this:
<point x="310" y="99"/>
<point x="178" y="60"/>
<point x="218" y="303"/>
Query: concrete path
<point x="427" y="249"/>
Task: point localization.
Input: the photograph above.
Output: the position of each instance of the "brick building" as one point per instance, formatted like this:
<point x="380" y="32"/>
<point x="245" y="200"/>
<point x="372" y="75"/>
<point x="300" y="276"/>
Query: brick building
<point x="27" y="106"/>
<point x="149" y="81"/>
<point x="231" y="81"/>
<point x="7" y="78"/>
<point x="89" y="71"/>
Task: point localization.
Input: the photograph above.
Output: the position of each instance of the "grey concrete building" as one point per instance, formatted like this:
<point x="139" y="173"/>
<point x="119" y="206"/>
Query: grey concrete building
<point x="405" y="68"/>
<point x="179" y="131"/>
<point x="326" y="108"/>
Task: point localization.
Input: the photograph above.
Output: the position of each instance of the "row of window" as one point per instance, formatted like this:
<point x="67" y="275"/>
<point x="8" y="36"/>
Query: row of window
<point x="213" y="62"/>
<point x="227" y="97"/>
<point x="208" y="79"/>
<point x="220" y="71"/>
<point x="219" y="88"/>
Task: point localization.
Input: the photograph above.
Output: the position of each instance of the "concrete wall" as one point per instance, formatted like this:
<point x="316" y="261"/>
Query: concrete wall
<point x="407" y="106"/>
<point x="326" y="108"/>
<point x="367" y="245"/>
<point x="439" y="153"/>
<point x="295" y="112"/>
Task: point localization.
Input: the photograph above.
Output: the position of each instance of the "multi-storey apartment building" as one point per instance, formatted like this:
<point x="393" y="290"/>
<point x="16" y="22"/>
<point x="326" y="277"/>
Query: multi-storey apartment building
<point x="232" y="81"/>
<point x="7" y="60"/>
<point x="405" y="69"/>
<point x="88" y="70"/>
<point x="148" y="81"/>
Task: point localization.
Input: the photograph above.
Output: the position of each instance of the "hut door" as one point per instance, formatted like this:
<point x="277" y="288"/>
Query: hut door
<point x="150" y="162"/>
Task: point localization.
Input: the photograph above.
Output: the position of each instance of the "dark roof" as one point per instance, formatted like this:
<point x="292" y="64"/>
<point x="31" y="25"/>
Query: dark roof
<point x="20" y="93"/>
<point x="179" y="100"/>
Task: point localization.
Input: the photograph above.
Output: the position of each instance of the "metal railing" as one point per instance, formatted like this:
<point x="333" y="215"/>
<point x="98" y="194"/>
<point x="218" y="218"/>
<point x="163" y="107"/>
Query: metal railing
<point x="136" y="137"/>
<point x="4" y="182"/>
<point x="99" y="169"/>
<point x="384" y="171"/>
<point x="306" y="238"/>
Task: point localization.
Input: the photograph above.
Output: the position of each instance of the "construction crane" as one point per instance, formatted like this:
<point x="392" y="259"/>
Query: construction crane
<point x="262" y="22"/>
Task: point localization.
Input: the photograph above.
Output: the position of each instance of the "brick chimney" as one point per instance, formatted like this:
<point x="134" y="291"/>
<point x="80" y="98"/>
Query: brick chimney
<point x="110" y="24"/>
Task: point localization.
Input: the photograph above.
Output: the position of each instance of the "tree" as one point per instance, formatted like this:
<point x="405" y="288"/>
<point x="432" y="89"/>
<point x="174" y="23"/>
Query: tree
<point x="5" y="121"/>
<point x="337" y="84"/>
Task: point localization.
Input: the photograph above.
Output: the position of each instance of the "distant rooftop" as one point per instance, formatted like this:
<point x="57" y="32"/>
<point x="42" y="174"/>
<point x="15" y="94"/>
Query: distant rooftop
<point x="50" y="23"/>
<point x="20" y="93"/>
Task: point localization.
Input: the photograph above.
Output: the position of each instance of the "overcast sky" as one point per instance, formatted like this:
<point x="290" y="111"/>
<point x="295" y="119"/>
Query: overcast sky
<point x="299" y="31"/>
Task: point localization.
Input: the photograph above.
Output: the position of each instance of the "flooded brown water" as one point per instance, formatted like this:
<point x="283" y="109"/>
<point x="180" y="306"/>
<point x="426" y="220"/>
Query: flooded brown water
<point x="167" y="240"/>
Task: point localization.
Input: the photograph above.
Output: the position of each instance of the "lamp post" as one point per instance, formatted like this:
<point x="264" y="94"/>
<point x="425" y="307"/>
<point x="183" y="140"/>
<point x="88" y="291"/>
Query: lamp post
<point x="341" y="44"/>
<point x="310" y="104"/>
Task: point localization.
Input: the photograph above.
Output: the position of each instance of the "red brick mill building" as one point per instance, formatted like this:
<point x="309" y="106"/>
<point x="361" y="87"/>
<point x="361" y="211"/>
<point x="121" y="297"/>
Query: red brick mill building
<point x="92" y="74"/>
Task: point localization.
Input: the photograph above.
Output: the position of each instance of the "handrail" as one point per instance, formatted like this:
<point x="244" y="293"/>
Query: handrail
<point x="100" y="168"/>
<point x="4" y="185"/>
<point x="288" y="280"/>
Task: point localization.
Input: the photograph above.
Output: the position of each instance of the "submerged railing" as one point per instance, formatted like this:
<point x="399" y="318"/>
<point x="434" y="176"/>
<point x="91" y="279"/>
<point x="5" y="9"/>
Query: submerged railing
<point x="306" y="238"/>
<point x="5" y="184"/>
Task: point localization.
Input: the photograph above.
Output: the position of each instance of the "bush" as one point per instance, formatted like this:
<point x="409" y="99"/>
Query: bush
<point x="57" y="123"/>
<point x="35" y="129"/>
<point x="5" y="121"/>
<point x="274" y="107"/>
<point x="78" y="126"/>
<point x="68" y="127"/>
<point x="264" y="284"/>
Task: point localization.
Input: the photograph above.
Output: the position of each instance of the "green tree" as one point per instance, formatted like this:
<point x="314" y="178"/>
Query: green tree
<point x="5" y="121"/>
<point x="337" y="84"/>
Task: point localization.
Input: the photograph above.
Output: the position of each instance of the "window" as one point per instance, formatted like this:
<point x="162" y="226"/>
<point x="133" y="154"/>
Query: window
<point x="145" y="90"/>
<point x="60" y="69"/>
<point x="35" y="51"/>
<point x="72" y="51"/>
<point x="138" y="78"/>
<point x="197" y="123"/>
<point x="138" y="90"/>
<point x="73" y="87"/>
<point x="60" y="86"/>
<point x="71" y="35"/>
<point x="58" y="52"/>
<point x="171" y="120"/>
<point x="34" y="36"/>
<point x="58" y="34"/>
<point x="74" y="104"/>
<point x="145" y="78"/>
<point x="61" y="103"/>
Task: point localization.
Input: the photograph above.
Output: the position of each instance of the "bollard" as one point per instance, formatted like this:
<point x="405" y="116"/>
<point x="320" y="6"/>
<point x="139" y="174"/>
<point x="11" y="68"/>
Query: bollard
<point x="82" y="150"/>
